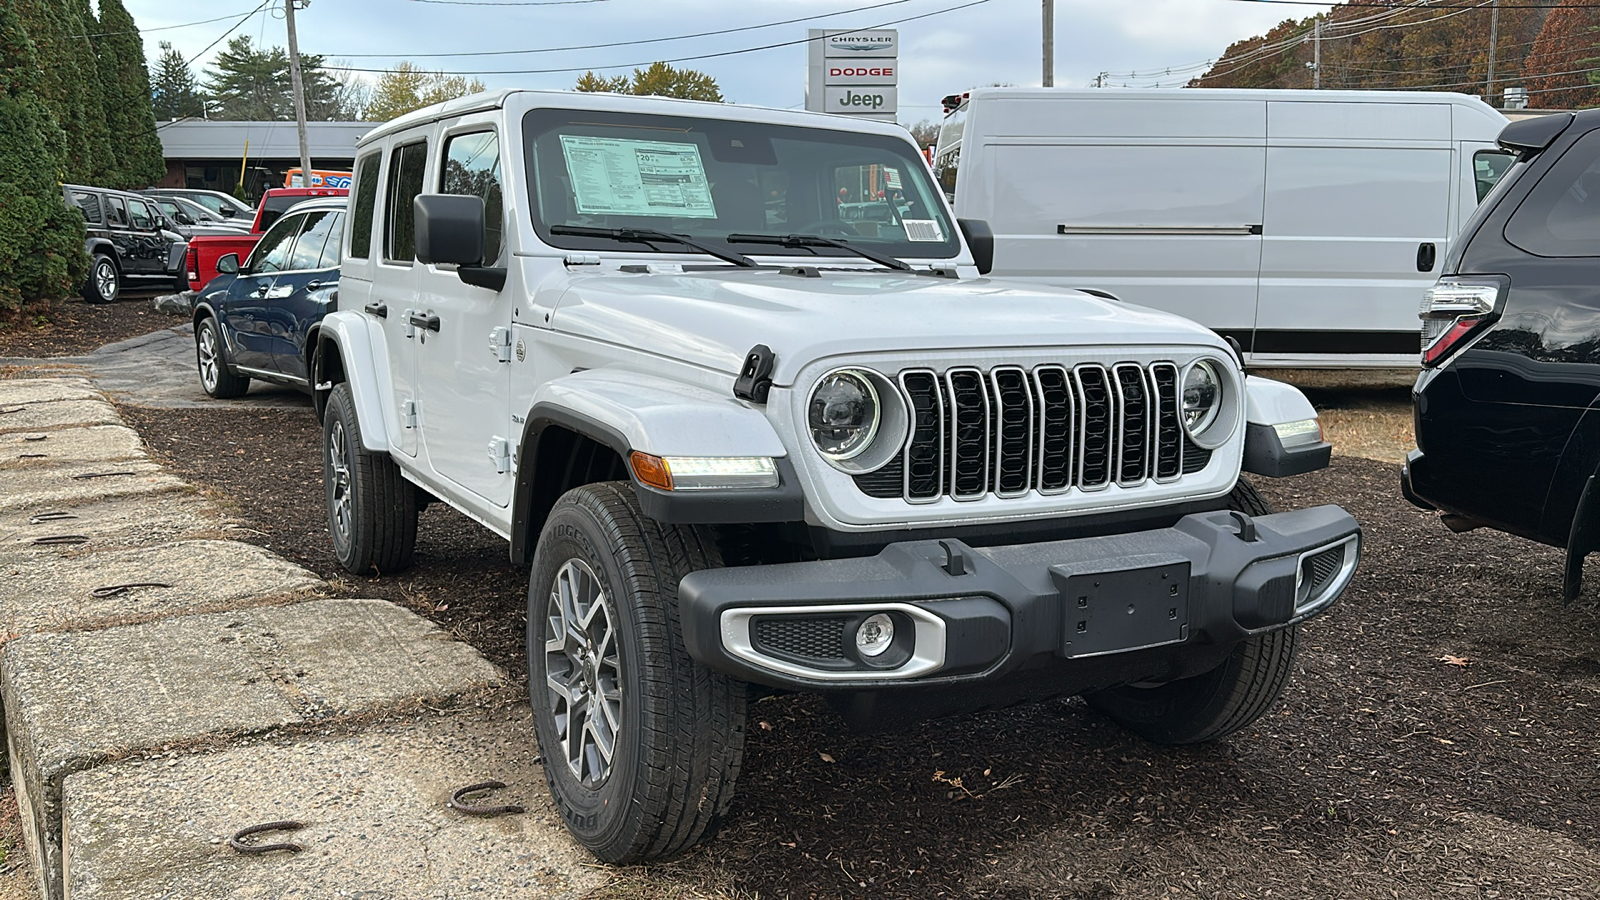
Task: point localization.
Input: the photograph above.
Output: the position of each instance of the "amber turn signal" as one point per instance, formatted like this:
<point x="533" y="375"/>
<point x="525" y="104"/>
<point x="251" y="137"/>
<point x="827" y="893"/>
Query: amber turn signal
<point x="651" y="470"/>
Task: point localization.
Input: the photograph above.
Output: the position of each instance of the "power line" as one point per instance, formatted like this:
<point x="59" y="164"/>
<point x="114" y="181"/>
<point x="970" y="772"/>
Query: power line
<point x="157" y="28"/>
<point x="634" y="65"/>
<point x="508" y="2"/>
<point x="1554" y="5"/>
<point x="658" y="40"/>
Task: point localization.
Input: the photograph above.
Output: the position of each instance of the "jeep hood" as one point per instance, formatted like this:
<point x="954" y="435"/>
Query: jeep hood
<point x="713" y="318"/>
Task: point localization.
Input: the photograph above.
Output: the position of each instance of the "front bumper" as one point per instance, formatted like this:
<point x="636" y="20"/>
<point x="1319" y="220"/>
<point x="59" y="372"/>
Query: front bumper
<point x="965" y="615"/>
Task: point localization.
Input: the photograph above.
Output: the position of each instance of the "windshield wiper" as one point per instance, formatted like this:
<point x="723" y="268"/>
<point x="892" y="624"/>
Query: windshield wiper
<point x="650" y="236"/>
<point x="817" y="240"/>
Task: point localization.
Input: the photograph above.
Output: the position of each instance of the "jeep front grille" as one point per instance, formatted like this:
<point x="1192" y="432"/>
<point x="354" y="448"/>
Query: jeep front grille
<point x="1010" y="431"/>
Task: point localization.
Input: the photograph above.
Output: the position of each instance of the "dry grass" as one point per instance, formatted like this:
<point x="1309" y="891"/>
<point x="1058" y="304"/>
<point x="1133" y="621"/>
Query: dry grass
<point x="1364" y="413"/>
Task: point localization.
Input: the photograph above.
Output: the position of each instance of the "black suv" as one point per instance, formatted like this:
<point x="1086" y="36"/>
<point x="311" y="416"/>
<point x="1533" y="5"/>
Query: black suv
<point x="130" y="239"/>
<point x="1508" y="404"/>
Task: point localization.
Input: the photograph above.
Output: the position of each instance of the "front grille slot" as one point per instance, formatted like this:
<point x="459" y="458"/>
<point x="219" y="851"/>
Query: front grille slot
<point x="1010" y="432"/>
<point x="1323" y="566"/>
<point x="969" y="433"/>
<point x="801" y="638"/>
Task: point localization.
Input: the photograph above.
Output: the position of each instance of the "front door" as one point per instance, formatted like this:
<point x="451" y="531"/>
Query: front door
<point x="150" y="246"/>
<point x="463" y="366"/>
<point x="247" y="314"/>
<point x="304" y="290"/>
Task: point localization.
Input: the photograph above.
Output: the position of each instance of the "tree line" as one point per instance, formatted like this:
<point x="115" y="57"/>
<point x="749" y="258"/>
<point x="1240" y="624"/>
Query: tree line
<point x="1553" y="52"/>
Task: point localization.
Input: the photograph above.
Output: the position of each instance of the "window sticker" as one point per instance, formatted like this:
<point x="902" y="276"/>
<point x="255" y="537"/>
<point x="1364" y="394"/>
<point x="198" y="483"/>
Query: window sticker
<point x="891" y="178"/>
<point x="923" y="230"/>
<point x="612" y="176"/>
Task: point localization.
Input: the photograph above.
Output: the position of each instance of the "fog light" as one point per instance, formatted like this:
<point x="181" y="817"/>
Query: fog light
<point x="875" y="635"/>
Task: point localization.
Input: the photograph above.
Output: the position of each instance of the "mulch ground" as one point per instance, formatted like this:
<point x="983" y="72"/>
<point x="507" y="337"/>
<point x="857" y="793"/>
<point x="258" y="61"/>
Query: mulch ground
<point x="1438" y="740"/>
<point x="73" y="327"/>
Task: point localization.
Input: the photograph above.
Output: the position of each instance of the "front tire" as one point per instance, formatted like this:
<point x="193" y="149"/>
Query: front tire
<point x="372" y="511"/>
<point x="642" y="744"/>
<point x="1217" y="703"/>
<point x="211" y="358"/>
<point x="105" y="280"/>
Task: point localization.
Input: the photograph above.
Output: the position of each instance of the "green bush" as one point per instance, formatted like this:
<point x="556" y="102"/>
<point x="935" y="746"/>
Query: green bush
<point x="41" y="240"/>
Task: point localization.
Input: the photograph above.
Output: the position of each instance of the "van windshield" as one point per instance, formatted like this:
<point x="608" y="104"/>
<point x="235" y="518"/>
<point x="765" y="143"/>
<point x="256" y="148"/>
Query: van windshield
<point x="709" y="178"/>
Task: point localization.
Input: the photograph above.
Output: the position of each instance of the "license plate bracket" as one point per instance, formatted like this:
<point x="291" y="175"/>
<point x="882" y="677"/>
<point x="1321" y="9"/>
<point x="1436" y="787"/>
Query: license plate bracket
<point x="1124" y="609"/>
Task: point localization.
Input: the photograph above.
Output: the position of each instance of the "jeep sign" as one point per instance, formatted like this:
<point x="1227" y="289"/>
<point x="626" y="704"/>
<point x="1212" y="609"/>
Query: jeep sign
<point x="853" y="73"/>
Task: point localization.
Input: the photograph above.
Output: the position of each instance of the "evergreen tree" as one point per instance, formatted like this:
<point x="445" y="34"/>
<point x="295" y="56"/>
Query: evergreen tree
<point x="70" y="85"/>
<point x="254" y="84"/>
<point x="175" y="93"/>
<point x="41" y="241"/>
<point x="126" y="86"/>
<point x="660" y="80"/>
<point x="405" y="87"/>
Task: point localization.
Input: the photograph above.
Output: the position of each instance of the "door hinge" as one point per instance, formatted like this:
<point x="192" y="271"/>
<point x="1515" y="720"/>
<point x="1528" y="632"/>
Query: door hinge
<point x="408" y="413"/>
<point x="500" y="454"/>
<point x="500" y="344"/>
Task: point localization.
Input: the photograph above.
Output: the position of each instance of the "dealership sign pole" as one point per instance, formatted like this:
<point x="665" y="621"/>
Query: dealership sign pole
<point x="853" y="73"/>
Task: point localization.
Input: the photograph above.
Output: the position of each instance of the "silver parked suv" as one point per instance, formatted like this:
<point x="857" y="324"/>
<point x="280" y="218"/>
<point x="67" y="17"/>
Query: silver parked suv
<point x="750" y="440"/>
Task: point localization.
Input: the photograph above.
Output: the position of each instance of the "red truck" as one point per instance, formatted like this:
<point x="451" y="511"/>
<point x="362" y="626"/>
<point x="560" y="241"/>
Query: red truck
<point x="205" y="250"/>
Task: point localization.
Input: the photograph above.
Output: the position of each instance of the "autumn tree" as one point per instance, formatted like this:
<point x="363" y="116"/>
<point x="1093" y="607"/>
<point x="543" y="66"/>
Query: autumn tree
<point x="406" y="87"/>
<point x="660" y="80"/>
<point x="175" y="92"/>
<point x="1563" y="58"/>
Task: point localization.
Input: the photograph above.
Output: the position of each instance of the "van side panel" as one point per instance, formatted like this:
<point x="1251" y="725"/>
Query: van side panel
<point x="1345" y="220"/>
<point x="1083" y="193"/>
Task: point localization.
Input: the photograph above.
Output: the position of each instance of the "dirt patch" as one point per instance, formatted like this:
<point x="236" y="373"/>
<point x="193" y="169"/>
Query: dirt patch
<point x="1364" y="413"/>
<point x="1437" y="740"/>
<point x="73" y="327"/>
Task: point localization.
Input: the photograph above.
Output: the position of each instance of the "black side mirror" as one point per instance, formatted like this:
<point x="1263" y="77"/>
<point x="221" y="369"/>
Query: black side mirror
<point x="228" y="265"/>
<point x="448" y="229"/>
<point x="981" y="239"/>
<point x="228" y="212"/>
<point x="185" y="219"/>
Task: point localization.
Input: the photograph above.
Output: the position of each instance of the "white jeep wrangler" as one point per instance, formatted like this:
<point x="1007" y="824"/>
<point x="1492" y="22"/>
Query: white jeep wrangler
<point x="733" y="382"/>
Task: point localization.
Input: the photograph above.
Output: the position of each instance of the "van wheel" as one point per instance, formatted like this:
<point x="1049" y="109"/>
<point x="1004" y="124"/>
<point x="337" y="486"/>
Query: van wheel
<point x="105" y="280"/>
<point x="1213" y="704"/>
<point x="211" y="357"/>
<point x="642" y="744"/>
<point x="372" y="511"/>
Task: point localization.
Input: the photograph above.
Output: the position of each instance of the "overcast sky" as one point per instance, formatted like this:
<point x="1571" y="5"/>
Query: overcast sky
<point x="995" y="41"/>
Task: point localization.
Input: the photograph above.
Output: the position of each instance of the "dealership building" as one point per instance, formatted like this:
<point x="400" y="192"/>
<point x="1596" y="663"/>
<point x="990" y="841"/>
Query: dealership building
<point x="214" y="155"/>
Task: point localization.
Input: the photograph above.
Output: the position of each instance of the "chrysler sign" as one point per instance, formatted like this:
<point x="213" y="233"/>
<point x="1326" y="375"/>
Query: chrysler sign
<point x="853" y="73"/>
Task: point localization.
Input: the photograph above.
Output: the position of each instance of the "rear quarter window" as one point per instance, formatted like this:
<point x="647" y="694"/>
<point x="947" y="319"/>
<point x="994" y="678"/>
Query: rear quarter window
<point x="366" y="201"/>
<point x="1561" y="215"/>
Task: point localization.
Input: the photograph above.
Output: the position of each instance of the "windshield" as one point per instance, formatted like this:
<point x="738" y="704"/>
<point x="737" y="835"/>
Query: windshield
<point x="709" y="178"/>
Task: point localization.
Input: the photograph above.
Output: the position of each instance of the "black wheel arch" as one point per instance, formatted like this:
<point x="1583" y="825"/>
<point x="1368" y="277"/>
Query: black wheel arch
<point x="560" y="450"/>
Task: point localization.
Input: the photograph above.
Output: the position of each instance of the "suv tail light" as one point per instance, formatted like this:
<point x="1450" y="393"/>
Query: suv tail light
<point x="191" y="261"/>
<point x="1455" y="309"/>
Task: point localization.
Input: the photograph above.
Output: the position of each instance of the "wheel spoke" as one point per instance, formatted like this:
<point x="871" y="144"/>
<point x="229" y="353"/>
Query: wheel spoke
<point x="584" y="671"/>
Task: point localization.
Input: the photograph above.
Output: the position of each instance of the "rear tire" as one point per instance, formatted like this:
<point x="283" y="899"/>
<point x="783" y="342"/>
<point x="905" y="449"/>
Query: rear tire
<point x="372" y="511"/>
<point x="607" y="667"/>
<point x="1219" y="702"/>
<point x="211" y="358"/>
<point x="105" y="280"/>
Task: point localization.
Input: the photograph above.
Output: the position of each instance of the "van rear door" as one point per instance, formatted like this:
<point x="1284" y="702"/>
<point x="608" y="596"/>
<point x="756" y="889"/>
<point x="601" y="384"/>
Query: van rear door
<point x="1355" y="228"/>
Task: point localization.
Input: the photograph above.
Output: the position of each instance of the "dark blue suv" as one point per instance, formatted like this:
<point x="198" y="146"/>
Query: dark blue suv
<point x="259" y="319"/>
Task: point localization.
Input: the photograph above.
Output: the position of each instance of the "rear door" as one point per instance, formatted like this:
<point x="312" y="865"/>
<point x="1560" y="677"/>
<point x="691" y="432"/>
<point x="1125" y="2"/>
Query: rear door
<point x="394" y="284"/>
<point x="1358" y="216"/>
<point x="247" y="316"/>
<point x="123" y="236"/>
<point x="304" y="291"/>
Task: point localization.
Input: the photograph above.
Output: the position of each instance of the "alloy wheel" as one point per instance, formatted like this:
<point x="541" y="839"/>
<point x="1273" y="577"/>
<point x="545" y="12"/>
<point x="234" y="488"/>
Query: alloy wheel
<point x="338" y="447"/>
<point x="583" y="672"/>
<point x="105" y="279"/>
<point x="208" y="358"/>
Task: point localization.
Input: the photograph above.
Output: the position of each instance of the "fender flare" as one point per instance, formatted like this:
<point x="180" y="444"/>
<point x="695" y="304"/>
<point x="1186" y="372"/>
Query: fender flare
<point x="1272" y="412"/>
<point x="95" y="246"/>
<point x="349" y="335"/>
<point x="628" y="411"/>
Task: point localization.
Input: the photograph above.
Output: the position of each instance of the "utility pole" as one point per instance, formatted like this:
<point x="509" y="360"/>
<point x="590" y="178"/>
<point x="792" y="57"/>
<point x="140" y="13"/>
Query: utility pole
<point x="299" y="93"/>
<point x="1316" y="54"/>
<point x="1049" y="43"/>
<point x="1494" y="33"/>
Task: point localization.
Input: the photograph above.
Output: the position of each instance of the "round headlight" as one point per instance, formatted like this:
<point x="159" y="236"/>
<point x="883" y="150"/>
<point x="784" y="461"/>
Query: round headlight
<point x="1202" y="397"/>
<point x="843" y="414"/>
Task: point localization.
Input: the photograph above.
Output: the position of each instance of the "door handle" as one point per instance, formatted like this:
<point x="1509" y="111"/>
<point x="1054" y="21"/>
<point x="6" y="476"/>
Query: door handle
<point x="381" y="310"/>
<point x="1426" y="255"/>
<point x="258" y="293"/>
<point x="313" y="285"/>
<point x="428" y="321"/>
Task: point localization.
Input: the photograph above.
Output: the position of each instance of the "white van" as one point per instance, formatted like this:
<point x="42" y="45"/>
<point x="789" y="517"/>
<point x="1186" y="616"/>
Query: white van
<point x="1304" y="224"/>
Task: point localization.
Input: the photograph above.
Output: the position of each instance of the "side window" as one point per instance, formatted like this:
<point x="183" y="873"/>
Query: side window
<point x="308" y="249"/>
<point x="140" y="214"/>
<point x="366" y="204"/>
<point x="89" y="204"/>
<point x="1561" y="216"/>
<point x="1487" y="167"/>
<point x="472" y="166"/>
<point x="405" y="183"/>
<point x="272" y="251"/>
<point x="116" y="213"/>
<point x="330" y="250"/>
